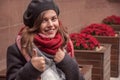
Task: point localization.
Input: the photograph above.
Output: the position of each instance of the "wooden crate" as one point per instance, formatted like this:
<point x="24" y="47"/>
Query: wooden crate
<point x="3" y="75"/>
<point x="86" y="70"/>
<point x="115" y="52"/>
<point x="99" y="59"/>
<point x="115" y="27"/>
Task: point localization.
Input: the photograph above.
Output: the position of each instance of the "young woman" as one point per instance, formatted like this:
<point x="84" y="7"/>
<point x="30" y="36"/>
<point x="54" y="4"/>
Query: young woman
<point x="43" y="31"/>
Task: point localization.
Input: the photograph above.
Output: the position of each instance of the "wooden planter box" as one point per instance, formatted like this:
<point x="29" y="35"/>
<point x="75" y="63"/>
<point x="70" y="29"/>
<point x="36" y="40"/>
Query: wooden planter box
<point x="86" y="70"/>
<point x="3" y="75"/>
<point x="99" y="59"/>
<point x="115" y="52"/>
<point x="115" y="27"/>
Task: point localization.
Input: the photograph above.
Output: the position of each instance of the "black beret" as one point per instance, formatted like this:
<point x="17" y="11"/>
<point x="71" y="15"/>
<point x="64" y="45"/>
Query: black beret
<point x="35" y="8"/>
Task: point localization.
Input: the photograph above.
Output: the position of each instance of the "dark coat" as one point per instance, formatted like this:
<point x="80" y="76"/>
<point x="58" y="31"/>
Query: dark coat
<point x="19" y="69"/>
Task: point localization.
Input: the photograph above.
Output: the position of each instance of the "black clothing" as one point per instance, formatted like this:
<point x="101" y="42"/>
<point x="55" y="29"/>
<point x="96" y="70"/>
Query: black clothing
<point x="19" y="69"/>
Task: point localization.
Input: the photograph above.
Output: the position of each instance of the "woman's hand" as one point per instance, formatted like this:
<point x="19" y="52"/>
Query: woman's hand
<point x="59" y="55"/>
<point x="37" y="61"/>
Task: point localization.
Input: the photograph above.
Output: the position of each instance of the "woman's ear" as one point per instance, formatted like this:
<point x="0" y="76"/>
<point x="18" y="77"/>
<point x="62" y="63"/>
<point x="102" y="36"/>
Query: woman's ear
<point x="60" y="23"/>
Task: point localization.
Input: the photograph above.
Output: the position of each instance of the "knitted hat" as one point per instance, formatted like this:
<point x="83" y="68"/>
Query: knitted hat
<point x="35" y="8"/>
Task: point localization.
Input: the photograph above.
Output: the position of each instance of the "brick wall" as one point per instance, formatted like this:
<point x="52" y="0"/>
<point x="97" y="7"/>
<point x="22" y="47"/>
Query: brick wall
<point x="10" y="22"/>
<point x="75" y="14"/>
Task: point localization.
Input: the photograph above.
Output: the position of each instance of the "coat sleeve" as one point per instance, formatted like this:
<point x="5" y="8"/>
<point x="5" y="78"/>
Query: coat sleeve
<point x="17" y="67"/>
<point x="71" y="69"/>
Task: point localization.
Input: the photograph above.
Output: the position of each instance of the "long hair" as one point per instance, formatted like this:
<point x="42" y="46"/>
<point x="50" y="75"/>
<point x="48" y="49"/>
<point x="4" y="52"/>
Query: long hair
<point x="28" y="34"/>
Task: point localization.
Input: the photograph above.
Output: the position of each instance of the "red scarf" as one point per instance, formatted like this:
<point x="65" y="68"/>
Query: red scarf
<point x="50" y="46"/>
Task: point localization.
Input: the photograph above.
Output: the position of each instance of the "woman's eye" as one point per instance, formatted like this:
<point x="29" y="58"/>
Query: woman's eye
<point x="54" y="18"/>
<point x="44" y="20"/>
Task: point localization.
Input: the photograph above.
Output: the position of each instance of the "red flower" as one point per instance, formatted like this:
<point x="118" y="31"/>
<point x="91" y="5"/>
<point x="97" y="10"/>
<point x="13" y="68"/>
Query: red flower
<point x="84" y="41"/>
<point x="113" y="19"/>
<point x="99" y="29"/>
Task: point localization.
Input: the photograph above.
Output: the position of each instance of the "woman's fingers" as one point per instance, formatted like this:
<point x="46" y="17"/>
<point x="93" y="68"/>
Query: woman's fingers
<point x="59" y="55"/>
<point x="43" y="65"/>
<point x="38" y="61"/>
<point x="34" y="53"/>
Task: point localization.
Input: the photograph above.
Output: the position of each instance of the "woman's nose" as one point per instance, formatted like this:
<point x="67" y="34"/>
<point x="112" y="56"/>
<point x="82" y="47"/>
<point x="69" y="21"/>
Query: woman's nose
<point x="50" y="23"/>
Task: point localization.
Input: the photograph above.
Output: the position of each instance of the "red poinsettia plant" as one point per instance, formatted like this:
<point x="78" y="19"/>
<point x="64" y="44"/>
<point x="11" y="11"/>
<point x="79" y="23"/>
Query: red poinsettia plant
<point x="84" y="41"/>
<point x="113" y="19"/>
<point x="99" y="30"/>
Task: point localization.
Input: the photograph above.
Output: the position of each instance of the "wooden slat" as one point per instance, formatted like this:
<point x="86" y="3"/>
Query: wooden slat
<point x="115" y="52"/>
<point x="99" y="59"/>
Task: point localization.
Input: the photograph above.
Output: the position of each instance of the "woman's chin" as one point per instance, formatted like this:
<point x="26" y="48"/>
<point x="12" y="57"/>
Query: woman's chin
<point x="51" y="36"/>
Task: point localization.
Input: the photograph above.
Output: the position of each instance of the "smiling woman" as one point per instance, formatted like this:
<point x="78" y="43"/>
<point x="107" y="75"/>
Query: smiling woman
<point x="43" y="48"/>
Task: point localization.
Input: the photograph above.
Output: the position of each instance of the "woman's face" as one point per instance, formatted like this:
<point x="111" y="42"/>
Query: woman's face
<point x="50" y="24"/>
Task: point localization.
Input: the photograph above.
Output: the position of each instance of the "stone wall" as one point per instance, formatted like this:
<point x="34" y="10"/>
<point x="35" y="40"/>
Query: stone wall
<point x="75" y="14"/>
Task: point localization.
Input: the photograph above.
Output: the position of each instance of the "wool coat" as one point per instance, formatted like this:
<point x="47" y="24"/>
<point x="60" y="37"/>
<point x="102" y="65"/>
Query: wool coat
<point x="20" y="69"/>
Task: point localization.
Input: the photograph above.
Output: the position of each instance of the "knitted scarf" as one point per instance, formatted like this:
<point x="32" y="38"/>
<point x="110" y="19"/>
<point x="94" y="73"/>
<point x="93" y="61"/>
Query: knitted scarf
<point x="47" y="45"/>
